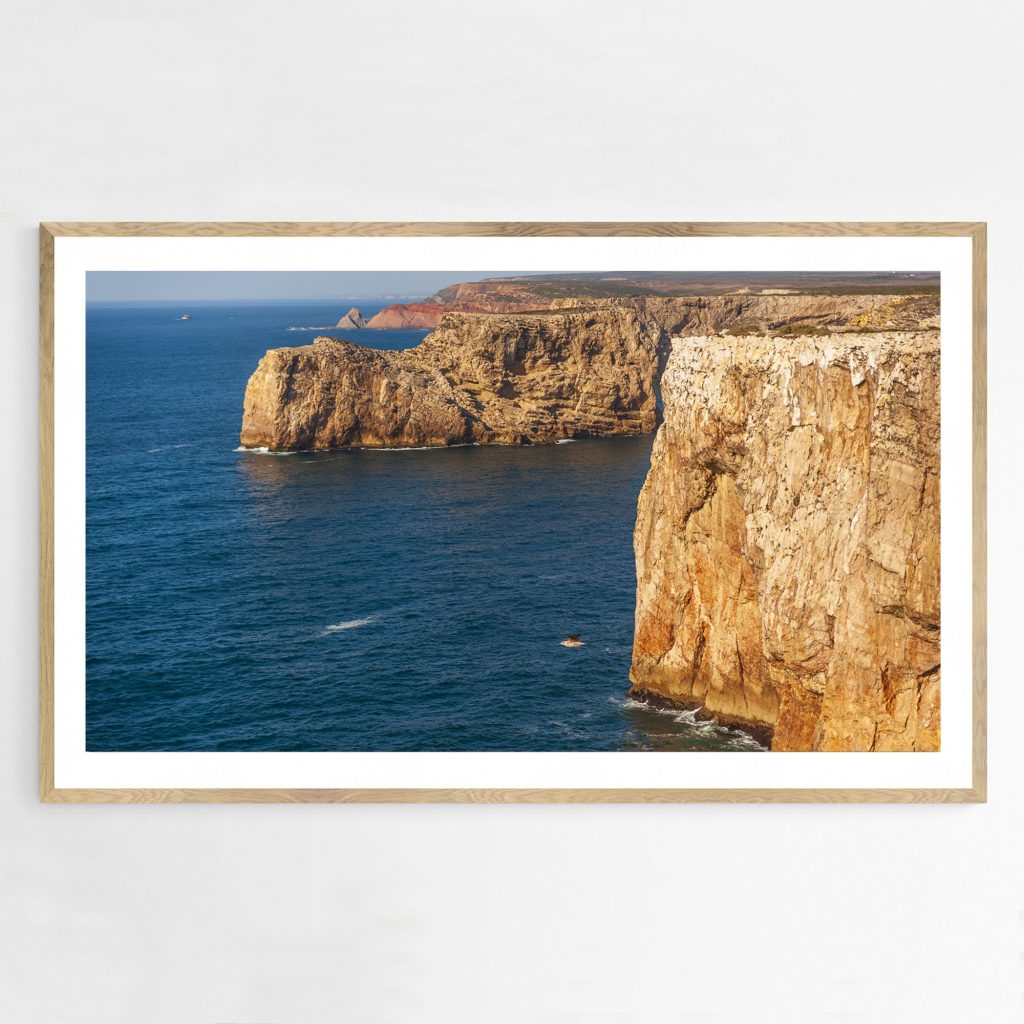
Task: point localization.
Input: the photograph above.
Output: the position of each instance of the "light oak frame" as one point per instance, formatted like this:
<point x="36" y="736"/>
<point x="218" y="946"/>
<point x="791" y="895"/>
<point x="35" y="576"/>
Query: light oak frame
<point x="52" y="230"/>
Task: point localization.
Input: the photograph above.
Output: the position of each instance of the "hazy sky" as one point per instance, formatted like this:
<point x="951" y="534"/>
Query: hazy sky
<point x="186" y="286"/>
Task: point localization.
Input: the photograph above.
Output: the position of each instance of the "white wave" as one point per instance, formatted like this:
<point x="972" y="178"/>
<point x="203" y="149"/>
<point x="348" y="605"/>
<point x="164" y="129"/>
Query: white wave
<point x="168" y="447"/>
<point x="689" y="716"/>
<point x="567" y="440"/>
<point x="341" y="627"/>
<point x="261" y="450"/>
<point x="328" y="327"/>
<point x="423" y="448"/>
<point x="628" y="703"/>
<point x="737" y="738"/>
<point x="632" y="704"/>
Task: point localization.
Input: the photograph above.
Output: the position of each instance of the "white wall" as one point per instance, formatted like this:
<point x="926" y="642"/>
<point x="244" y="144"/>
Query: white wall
<point x="538" y="109"/>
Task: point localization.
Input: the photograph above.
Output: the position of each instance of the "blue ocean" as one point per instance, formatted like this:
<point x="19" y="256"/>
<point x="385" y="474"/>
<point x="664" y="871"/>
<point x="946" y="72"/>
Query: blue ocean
<point x="345" y="601"/>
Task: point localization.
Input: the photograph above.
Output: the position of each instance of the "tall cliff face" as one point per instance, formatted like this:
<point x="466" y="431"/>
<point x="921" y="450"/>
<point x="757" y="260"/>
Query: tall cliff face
<point x="787" y="537"/>
<point x="487" y="379"/>
<point x="335" y="394"/>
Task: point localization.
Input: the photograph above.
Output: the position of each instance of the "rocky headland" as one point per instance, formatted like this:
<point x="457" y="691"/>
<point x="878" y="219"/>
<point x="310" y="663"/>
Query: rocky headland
<point x="477" y="379"/>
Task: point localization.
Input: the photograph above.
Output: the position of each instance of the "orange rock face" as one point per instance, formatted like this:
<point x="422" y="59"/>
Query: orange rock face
<point x="477" y="379"/>
<point x="787" y="539"/>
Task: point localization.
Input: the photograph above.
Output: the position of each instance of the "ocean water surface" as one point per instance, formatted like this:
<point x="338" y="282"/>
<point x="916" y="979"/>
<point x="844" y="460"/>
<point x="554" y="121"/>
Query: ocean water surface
<point x="386" y="600"/>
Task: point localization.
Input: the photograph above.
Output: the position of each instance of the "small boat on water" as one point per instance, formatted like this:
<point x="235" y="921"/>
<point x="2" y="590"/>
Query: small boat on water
<point x="185" y="316"/>
<point x="573" y="640"/>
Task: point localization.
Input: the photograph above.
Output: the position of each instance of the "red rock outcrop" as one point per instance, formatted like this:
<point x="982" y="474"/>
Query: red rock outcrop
<point x="427" y="315"/>
<point x="403" y="316"/>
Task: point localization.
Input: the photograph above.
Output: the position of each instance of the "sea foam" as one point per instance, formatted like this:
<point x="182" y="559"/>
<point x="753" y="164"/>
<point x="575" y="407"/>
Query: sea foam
<point x="423" y="448"/>
<point x="261" y="450"/>
<point x="168" y="448"/>
<point x="340" y="627"/>
<point x="736" y="739"/>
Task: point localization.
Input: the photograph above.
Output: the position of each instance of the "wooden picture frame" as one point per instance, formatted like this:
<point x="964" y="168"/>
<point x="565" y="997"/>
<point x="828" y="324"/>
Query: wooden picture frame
<point x="974" y="789"/>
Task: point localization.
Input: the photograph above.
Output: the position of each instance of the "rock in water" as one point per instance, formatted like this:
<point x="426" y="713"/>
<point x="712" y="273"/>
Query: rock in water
<point x="787" y="539"/>
<point x="352" y="320"/>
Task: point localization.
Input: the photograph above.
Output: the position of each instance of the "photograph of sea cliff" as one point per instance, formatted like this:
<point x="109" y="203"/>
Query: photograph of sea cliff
<point x="504" y="511"/>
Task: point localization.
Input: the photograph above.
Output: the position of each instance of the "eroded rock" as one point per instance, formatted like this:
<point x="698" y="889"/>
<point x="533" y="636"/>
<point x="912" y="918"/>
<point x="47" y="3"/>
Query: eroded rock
<point x="787" y="538"/>
<point x="477" y="379"/>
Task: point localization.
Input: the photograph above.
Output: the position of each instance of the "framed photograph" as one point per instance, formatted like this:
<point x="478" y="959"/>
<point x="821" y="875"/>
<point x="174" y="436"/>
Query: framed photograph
<point x="599" y="512"/>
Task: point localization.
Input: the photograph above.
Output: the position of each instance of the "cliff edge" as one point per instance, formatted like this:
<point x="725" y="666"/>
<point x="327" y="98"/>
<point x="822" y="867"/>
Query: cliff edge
<point x="787" y="538"/>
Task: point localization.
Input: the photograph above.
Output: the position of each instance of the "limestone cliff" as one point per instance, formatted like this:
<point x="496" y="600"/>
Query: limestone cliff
<point x="689" y="314"/>
<point x="479" y="378"/>
<point x="740" y="314"/>
<point x="787" y="537"/>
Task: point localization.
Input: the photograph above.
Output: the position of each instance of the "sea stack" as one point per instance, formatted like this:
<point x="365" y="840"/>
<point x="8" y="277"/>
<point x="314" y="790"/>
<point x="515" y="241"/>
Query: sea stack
<point x="787" y="539"/>
<point x="353" y="320"/>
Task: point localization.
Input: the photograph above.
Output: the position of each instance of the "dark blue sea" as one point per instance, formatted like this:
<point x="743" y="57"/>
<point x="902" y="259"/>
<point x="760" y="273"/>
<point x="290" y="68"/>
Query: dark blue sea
<point x="395" y="600"/>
